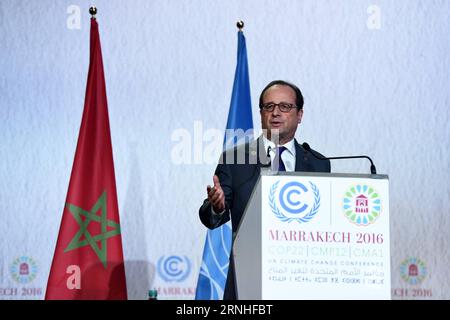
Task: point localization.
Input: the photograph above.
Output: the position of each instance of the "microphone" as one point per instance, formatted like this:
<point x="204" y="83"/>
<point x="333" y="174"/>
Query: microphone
<point x="373" y="170"/>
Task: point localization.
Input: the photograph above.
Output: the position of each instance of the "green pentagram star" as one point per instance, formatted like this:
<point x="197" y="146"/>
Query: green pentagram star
<point x="76" y="242"/>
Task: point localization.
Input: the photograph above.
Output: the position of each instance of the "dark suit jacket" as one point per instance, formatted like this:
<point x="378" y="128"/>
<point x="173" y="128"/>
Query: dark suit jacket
<point x="238" y="170"/>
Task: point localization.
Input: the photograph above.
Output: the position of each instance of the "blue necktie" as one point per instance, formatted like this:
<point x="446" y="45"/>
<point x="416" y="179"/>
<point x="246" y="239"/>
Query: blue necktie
<point x="278" y="159"/>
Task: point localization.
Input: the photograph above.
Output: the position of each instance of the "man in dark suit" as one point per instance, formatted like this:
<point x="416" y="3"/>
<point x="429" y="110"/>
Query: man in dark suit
<point x="281" y="110"/>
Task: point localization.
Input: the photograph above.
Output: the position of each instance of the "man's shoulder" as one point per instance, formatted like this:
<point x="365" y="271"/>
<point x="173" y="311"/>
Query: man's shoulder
<point x="303" y="150"/>
<point x="308" y="160"/>
<point x="243" y="153"/>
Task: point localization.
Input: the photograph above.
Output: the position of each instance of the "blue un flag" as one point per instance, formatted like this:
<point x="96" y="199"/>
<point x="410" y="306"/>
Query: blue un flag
<point x="216" y="254"/>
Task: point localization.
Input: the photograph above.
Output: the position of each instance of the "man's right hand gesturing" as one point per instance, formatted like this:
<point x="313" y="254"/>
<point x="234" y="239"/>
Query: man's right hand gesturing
<point x="216" y="196"/>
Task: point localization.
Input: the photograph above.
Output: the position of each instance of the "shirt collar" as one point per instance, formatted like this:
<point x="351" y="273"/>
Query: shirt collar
<point x="290" y="145"/>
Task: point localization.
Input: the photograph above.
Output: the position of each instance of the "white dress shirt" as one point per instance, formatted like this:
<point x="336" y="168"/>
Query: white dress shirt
<point x="288" y="156"/>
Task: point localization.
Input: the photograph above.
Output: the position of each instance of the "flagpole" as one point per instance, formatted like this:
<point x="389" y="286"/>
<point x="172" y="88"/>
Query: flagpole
<point x="93" y="11"/>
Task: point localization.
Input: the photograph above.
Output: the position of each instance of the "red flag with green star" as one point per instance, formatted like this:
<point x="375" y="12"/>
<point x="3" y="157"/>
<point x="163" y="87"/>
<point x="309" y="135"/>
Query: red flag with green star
<point x="88" y="260"/>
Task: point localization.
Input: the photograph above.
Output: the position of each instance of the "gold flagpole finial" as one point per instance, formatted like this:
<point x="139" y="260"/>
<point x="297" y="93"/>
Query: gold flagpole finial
<point x="93" y="11"/>
<point x="240" y="25"/>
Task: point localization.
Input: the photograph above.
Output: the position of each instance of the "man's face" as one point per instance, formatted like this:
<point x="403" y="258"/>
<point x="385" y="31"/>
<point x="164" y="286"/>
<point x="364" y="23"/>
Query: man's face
<point x="277" y="123"/>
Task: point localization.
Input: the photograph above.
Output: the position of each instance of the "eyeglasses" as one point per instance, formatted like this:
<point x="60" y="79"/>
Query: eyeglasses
<point x="283" y="106"/>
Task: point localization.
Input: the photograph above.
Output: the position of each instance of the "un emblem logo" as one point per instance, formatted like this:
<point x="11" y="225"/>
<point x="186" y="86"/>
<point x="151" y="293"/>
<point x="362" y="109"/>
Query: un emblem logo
<point x="174" y="268"/>
<point x="296" y="201"/>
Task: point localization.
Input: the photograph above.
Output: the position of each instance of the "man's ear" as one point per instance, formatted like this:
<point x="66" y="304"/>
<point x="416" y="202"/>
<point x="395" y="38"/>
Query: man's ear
<point x="299" y="115"/>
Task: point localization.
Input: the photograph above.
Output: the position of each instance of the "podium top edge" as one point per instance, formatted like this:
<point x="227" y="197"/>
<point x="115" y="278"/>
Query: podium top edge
<point x="324" y="174"/>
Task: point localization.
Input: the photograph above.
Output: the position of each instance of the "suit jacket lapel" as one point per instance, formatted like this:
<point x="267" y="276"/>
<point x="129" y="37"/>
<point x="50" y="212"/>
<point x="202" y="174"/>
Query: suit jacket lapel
<point x="301" y="157"/>
<point x="256" y="153"/>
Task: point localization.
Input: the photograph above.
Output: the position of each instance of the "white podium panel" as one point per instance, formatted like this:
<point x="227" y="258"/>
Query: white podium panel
<point x="315" y="236"/>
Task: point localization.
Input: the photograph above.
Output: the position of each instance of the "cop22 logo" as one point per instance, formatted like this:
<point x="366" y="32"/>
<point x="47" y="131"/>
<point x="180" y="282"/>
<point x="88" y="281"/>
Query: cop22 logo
<point x="413" y="270"/>
<point x="174" y="268"/>
<point x="361" y="205"/>
<point x="292" y="198"/>
<point x="24" y="269"/>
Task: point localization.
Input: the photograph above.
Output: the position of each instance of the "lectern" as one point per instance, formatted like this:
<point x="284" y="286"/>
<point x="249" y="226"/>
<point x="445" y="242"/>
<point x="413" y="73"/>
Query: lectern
<point x="314" y="236"/>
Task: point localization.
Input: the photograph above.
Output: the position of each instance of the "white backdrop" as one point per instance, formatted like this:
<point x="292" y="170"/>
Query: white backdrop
<point x="375" y="76"/>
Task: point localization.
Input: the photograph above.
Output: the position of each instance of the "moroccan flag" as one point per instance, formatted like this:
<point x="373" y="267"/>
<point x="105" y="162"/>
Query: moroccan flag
<point x="216" y="254"/>
<point x="88" y="260"/>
